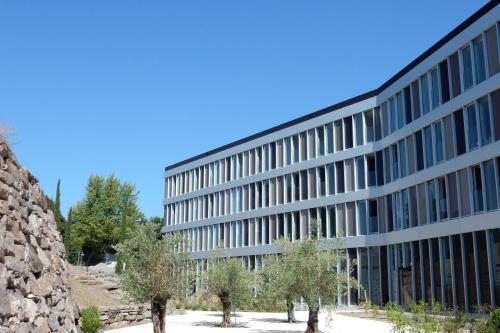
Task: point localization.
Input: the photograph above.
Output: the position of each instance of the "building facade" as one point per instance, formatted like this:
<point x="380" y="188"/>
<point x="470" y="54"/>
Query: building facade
<point x="407" y="175"/>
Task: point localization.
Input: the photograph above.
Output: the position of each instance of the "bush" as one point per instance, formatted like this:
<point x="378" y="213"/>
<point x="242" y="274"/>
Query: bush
<point x="178" y="306"/>
<point x="90" y="320"/>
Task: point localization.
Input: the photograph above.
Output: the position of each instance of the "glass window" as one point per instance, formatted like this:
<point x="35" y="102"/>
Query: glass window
<point x="424" y="94"/>
<point x="392" y="114"/>
<point x="467" y="68"/>
<point x="435" y="88"/>
<point x="448" y="138"/>
<point x="296" y="186"/>
<point x="295" y="142"/>
<point x="266" y="158"/>
<point x="443" y="77"/>
<point x="452" y="191"/>
<point x="470" y="270"/>
<point x="377" y="123"/>
<point x="303" y="146"/>
<point x="312" y="143"/>
<point x="349" y="174"/>
<point x="385" y="122"/>
<point x="422" y="204"/>
<point x="477" y="189"/>
<point x="323" y="222"/>
<point x="331" y="179"/>
<point x="484" y="120"/>
<point x="370" y="164"/>
<point x="459" y="132"/>
<point x="380" y="167"/>
<point x="348" y="132"/>
<point x="373" y="216"/>
<point x="443" y="201"/>
<point x="338" y="135"/>
<point x="340" y="220"/>
<point x="483" y="267"/>
<point x="407" y="95"/>
<point x="419" y="150"/>
<point x="431" y="203"/>
<point x="332" y="222"/>
<point x="406" y="209"/>
<point x="429" y="148"/>
<point x="402" y="158"/>
<point x="495" y="105"/>
<point x="438" y="134"/>
<point x="339" y="166"/>
<point x="387" y="163"/>
<point x="304" y="185"/>
<point x="395" y="162"/>
<point x="400" y="110"/>
<point x="329" y="136"/>
<point x="492" y="53"/>
<point x="479" y="64"/>
<point x="472" y="126"/>
<point x="464" y="192"/>
<point x="369" y="126"/>
<point x="321" y="140"/>
<point x="490" y="185"/>
<point x="413" y="206"/>
<point x="415" y="93"/>
<point x="456" y="89"/>
<point x="322" y="181"/>
<point x="495" y="258"/>
<point x="259" y="159"/>
<point x="362" y="217"/>
<point x="288" y="147"/>
<point x="289" y="190"/>
<point x="358" y="120"/>
<point x="351" y="219"/>
<point x="360" y="171"/>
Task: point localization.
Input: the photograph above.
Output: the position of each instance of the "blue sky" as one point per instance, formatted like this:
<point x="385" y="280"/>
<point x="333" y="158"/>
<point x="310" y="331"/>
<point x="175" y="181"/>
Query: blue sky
<point x="128" y="87"/>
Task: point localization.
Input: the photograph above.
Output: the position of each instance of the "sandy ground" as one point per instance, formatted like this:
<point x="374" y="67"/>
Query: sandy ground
<point x="254" y="322"/>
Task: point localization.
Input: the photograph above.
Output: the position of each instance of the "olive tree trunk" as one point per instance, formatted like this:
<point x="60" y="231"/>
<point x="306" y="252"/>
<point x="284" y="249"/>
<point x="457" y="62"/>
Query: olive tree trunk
<point x="290" y="312"/>
<point x="226" y="311"/>
<point x="312" y="322"/>
<point x="158" y="312"/>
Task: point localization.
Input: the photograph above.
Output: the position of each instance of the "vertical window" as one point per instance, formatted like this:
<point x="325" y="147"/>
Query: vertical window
<point x="322" y="181"/>
<point x="295" y="143"/>
<point x="349" y="174"/>
<point x="348" y="132"/>
<point x="369" y="125"/>
<point x="362" y="217"/>
<point x="472" y="126"/>
<point x="495" y="258"/>
<point x="484" y="120"/>
<point x="331" y="179"/>
<point x="296" y="186"/>
<point x="477" y="189"/>
<point x="469" y="269"/>
<point x="341" y="220"/>
<point x="387" y="163"/>
<point x="483" y="267"/>
<point x="413" y="206"/>
<point x="339" y="166"/>
<point x="479" y="64"/>
<point x="400" y="109"/>
<point x="338" y="135"/>
<point x="360" y="171"/>
<point x="492" y="53"/>
<point x="273" y="155"/>
<point x="431" y="203"/>
<point x="380" y="167"/>
<point x="312" y="183"/>
<point x="443" y="201"/>
<point x="467" y="68"/>
<point x="464" y="192"/>
<point x="443" y="76"/>
<point x="448" y="137"/>
<point x="322" y="224"/>
<point x="279" y="152"/>
<point x="435" y="88"/>
<point x="312" y="143"/>
<point x="329" y="136"/>
<point x="456" y="88"/>
<point x="351" y="219"/>
<point x="422" y="203"/>
<point x="424" y="94"/>
<point x="303" y="146"/>
<point x="332" y="221"/>
<point x="259" y="159"/>
<point x="385" y="122"/>
<point x="358" y="121"/>
<point x="402" y="158"/>
<point x="429" y="151"/>
<point x="370" y="164"/>
<point x="495" y="105"/>
<point x="452" y="191"/>
<point x="438" y="134"/>
<point x="266" y="158"/>
<point x="415" y="93"/>
<point x="459" y="131"/>
<point x="395" y="161"/>
<point x="288" y="149"/>
<point x="373" y="216"/>
<point x="406" y="208"/>
<point x="490" y="185"/>
<point x="321" y="140"/>
<point x="377" y="123"/>
<point x="392" y="114"/>
<point x="419" y="150"/>
<point x="289" y="191"/>
<point x="407" y="96"/>
<point x="304" y="185"/>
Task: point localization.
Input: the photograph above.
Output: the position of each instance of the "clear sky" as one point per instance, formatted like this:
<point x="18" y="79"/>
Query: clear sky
<point x="128" y="87"/>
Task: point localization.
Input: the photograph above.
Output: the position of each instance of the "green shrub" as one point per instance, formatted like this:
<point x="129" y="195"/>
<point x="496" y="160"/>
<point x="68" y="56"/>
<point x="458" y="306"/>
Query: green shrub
<point x="204" y="308"/>
<point x="90" y="320"/>
<point x="178" y="306"/>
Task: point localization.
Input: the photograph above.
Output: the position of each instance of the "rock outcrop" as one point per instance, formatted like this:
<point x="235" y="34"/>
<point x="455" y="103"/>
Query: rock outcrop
<point x="34" y="287"/>
<point x="125" y="315"/>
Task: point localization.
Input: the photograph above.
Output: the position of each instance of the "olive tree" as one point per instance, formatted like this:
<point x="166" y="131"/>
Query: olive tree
<point x="231" y="282"/>
<point x="154" y="270"/>
<point x="313" y="273"/>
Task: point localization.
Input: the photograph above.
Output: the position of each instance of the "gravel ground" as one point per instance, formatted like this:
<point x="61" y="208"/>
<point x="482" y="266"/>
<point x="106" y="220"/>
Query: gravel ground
<point x="257" y="322"/>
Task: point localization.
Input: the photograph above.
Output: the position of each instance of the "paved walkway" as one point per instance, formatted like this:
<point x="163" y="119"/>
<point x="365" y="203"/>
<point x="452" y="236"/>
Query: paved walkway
<point x="257" y="322"/>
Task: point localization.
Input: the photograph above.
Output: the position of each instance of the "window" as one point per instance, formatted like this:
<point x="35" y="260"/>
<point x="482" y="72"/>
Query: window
<point x="467" y="68"/>
<point x="484" y="120"/>
<point x="266" y="158"/>
<point x="392" y="114"/>
<point x="387" y="163"/>
<point x="385" y="126"/>
<point x="332" y="222"/>
<point x="370" y="163"/>
<point x="464" y="192"/>
<point x="340" y="220"/>
<point x="424" y="91"/>
<point x="452" y="191"/>
<point x="331" y="179"/>
<point x="259" y="159"/>
<point x="448" y="137"/>
<point x="358" y="121"/>
<point x="443" y="77"/>
<point x="373" y="216"/>
<point x="438" y="135"/>
<point x="362" y="217"/>
<point x="312" y="183"/>
<point x="415" y="93"/>
<point x="479" y="65"/>
<point x="406" y="209"/>
<point x="495" y="105"/>
<point x="321" y="140"/>
<point x="369" y="126"/>
<point x="351" y="219"/>
<point x="492" y="53"/>
<point x="459" y="131"/>
<point x="339" y="166"/>
<point x="419" y="150"/>
<point x="429" y="151"/>
<point x="303" y="178"/>
<point x="288" y="148"/>
<point x="377" y="123"/>
<point x="296" y="186"/>
<point x="395" y="162"/>
<point x="477" y="189"/>
<point x="329" y="137"/>
<point x="295" y="143"/>
<point x="400" y="112"/>
<point x="442" y="198"/>
<point x="289" y="191"/>
<point x="490" y="185"/>
<point x="431" y="203"/>
<point x="407" y="95"/>
<point x="360" y="171"/>
<point x="348" y="132"/>
<point x="312" y="143"/>
<point x="322" y="181"/>
<point x="303" y="146"/>
<point x="435" y="88"/>
<point x="422" y="204"/>
<point x="338" y="135"/>
<point x="456" y="89"/>
<point x="279" y="156"/>
<point x="472" y="126"/>
<point x="402" y="158"/>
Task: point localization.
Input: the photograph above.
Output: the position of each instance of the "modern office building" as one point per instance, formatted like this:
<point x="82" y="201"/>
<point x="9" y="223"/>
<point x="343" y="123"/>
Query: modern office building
<point x="407" y="175"/>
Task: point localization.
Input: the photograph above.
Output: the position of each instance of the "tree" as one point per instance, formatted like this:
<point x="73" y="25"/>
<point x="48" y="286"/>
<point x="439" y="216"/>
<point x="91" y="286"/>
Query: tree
<point x="154" y="270"/>
<point x="55" y="207"/>
<point x="312" y="273"/>
<point x="231" y="282"/>
<point x="107" y="214"/>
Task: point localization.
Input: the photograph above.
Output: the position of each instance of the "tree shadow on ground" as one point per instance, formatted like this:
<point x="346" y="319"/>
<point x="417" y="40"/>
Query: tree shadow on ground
<point x="276" y="331"/>
<point x="275" y="320"/>
<point x="212" y="324"/>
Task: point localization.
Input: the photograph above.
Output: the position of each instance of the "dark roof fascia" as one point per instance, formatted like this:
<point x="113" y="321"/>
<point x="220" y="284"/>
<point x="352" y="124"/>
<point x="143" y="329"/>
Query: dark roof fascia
<point x="461" y="27"/>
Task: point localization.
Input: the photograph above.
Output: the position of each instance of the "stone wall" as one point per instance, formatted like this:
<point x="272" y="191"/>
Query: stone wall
<point x="124" y="315"/>
<point x="34" y="287"/>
